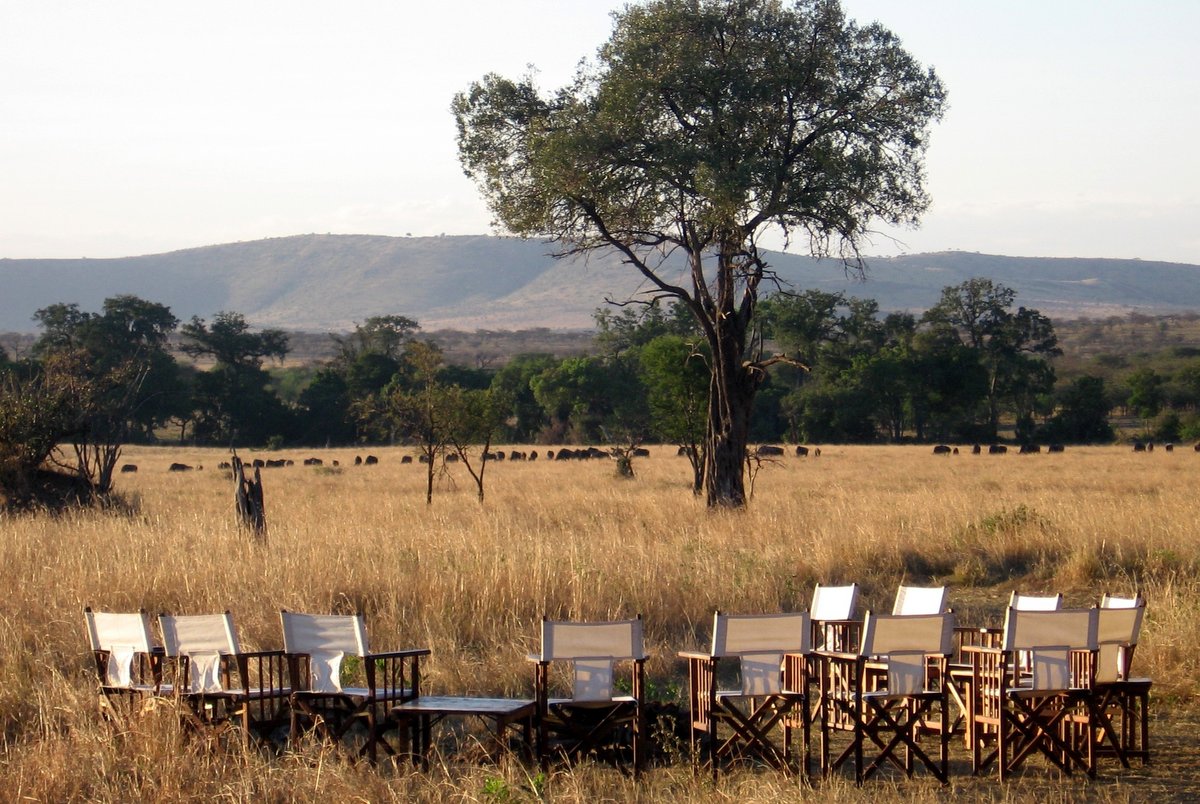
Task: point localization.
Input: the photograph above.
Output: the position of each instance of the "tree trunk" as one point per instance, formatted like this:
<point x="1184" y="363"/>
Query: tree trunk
<point x="731" y="399"/>
<point x="248" y="499"/>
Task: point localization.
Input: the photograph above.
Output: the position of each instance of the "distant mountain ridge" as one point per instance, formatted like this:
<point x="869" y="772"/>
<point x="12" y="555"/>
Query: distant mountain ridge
<point x="323" y="283"/>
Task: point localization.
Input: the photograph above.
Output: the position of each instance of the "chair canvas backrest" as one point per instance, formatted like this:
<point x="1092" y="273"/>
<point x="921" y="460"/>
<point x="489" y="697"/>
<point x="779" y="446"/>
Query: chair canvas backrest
<point x="920" y="600"/>
<point x="122" y="636"/>
<point x="834" y="602"/>
<point x="759" y="641"/>
<point x="1048" y="637"/>
<point x="905" y="641"/>
<point x="325" y="639"/>
<point x="1117" y="634"/>
<point x="204" y="639"/>
<point x="592" y="648"/>
<point x="1035" y="602"/>
<point x="1115" y="602"/>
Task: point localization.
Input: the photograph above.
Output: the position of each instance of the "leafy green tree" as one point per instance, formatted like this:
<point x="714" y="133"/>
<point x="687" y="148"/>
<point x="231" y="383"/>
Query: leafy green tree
<point x="1012" y="347"/>
<point x="526" y="418"/>
<point x="476" y="416"/>
<point x="1082" y="415"/>
<point x="383" y="335"/>
<point x="132" y="383"/>
<point x="1145" y="392"/>
<point x="676" y="376"/>
<point x="633" y="327"/>
<point x="701" y="124"/>
<point x="232" y="400"/>
<point x="585" y="396"/>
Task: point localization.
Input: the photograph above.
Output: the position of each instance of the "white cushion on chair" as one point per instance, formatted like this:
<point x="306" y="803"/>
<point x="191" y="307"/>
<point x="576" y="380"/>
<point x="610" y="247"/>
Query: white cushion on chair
<point x="325" y="670"/>
<point x="120" y="665"/>
<point x="205" y="671"/>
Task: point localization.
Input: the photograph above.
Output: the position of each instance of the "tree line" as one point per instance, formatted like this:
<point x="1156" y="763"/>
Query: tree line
<point x="972" y="364"/>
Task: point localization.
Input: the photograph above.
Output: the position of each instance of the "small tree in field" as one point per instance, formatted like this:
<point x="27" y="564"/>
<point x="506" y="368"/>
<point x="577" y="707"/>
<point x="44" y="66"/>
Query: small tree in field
<point x="701" y="125"/>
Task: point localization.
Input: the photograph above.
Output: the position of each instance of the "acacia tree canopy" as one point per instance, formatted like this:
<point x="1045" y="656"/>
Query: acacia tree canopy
<point x="700" y="125"/>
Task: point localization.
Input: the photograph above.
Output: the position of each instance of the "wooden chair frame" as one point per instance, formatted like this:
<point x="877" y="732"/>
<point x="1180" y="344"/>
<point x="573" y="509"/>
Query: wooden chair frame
<point x="129" y="664"/>
<point x="592" y="723"/>
<point x="329" y="712"/>
<point x="250" y="693"/>
<point x="1012" y="708"/>
<point x="857" y="695"/>
<point x="751" y="715"/>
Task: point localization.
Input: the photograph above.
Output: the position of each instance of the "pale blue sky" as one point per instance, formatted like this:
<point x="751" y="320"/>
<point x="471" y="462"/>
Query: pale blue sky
<point x="137" y="126"/>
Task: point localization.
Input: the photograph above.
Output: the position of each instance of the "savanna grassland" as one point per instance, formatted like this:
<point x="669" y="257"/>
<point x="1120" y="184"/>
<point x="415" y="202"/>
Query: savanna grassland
<point x="571" y="540"/>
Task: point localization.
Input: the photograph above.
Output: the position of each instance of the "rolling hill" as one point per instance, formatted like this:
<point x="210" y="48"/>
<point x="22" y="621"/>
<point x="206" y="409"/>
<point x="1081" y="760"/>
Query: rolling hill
<point x="329" y="282"/>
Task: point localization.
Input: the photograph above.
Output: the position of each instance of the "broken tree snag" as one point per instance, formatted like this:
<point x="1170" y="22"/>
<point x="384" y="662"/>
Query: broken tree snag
<point x="248" y="495"/>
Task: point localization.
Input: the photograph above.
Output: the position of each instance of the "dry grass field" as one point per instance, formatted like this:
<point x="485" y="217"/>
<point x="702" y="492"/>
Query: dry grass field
<point x="571" y="540"/>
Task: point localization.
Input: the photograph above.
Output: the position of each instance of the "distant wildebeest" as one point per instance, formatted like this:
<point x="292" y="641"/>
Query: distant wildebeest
<point x="179" y="467"/>
<point x="941" y="449"/>
<point x="954" y="451"/>
<point x="1197" y="447"/>
<point x="516" y="455"/>
<point x="1150" y="446"/>
<point x="768" y="450"/>
<point x="975" y="450"/>
<point x="641" y="452"/>
<point x="1056" y="448"/>
<point x="336" y="462"/>
<point x="816" y="453"/>
<point x="801" y="452"/>
<point x="275" y="463"/>
<point x="533" y="455"/>
<point x="1029" y="449"/>
<point x="1169" y="447"/>
<point x="1138" y="446"/>
<point x="997" y="449"/>
<point x="358" y="460"/>
<point x="129" y="467"/>
<point x="370" y="460"/>
<point x="499" y="455"/>
<point x="423" y="458"/>
<point x="405" y="459"/>
<point x="224" y="465"/>
<point x="258" y="463"/>
<point x="684" y="450"/>
<point x="565" y="454"/>
<point x="594" y="452"/>
<point x="451" y="457"/>
<point x="313" y="462"/>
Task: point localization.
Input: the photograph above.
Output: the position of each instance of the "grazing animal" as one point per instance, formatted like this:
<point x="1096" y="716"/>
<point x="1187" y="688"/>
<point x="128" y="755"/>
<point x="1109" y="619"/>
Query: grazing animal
<point x="406" y="459"/>
<point x="371" y="460"/>
<point x="975" y="450"/>
<point x="275" y="463"/>
<point x="1169" y="447"/>
<point x="941" y="449"/>
<point x="516" y="455"/>
<point x="451" y="457"/>
<point x="683" y="450"/>
<point x="313" y="462"/>
<point x="533" y="455"/>
<point x="179" y="467"/>
<point x="1056" y="448"/>
<point x="129" y="467"/>
<point x="954" y="451"/>
<point x="816" y="452"/>
<point x="768" y="450"/>
<point x="801" y="452"/>
<point x="1138" y="446"/>
<point x="259" y="463"/>
<point x="224" y="465"/>
<point x="336" y="463"/>
<point x="358" y="460"/>
<point x="997" y="449"/>
<point x="641" y="452"/>
<point x="1029" y="449"/>
<point x="549" y="454"/>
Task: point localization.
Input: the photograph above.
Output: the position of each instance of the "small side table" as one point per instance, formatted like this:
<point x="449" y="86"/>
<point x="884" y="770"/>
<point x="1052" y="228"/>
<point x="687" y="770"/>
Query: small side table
<point x="430" y="709"/>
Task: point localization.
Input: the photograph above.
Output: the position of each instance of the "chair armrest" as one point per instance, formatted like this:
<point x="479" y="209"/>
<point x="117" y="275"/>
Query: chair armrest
<point x="840" y="656"/>
<point x="535" y="658"/>
<point x="695" y="654"/>
<point x="398" y="654"/>
<point x="983" y="649"/>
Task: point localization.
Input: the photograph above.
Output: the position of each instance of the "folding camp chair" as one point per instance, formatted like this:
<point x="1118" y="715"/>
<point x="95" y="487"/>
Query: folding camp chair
<point x="1027" y="711"/>
<point x="1035" y="602"/>
<point x="1123" y="700"/>
<point x="833" y="613"/>
<point x="920" y="600"/>
<point x="331" y="695"/>
<point x="593" y="719"/>
<point x="218" y="684"/>
<point x="883" y="693"/>
<point x="764" y="699"/>
<point x="128" y="663"/>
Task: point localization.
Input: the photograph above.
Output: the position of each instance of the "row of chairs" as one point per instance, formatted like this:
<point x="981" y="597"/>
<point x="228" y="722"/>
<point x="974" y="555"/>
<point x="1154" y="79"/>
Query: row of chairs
<point x="1051" y="681"/>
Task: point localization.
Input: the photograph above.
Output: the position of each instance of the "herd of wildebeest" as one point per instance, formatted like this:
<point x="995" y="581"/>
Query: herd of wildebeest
<point x="762" y="451"/>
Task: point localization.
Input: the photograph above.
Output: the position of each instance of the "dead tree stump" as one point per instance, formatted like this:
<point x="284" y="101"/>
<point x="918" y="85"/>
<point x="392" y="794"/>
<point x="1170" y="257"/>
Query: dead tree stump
<point x="248" y="496"/>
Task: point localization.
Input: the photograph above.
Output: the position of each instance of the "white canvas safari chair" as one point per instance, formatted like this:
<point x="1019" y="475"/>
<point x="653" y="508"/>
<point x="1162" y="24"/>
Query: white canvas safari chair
<point x="330" y="694"/>
<point x="833" y="612"/>
<point x="919" y="600"/>
<point x="128" y="662"/>
<point x="1123" y="699"/>
<point x="1027" y="711"/>
<point x="1035" y="602"/>
<point x="593" y="718"/>
<point x="218" y="684"/>
<point x="765" y="698"/>
<point x="883" y="694"/>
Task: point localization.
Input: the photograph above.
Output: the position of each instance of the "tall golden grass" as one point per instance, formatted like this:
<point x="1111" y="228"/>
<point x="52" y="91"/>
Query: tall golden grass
<point x="570" y="540"/>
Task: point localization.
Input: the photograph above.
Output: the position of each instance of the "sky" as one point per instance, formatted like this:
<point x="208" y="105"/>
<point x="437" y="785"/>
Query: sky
<point x="133" y="127"/>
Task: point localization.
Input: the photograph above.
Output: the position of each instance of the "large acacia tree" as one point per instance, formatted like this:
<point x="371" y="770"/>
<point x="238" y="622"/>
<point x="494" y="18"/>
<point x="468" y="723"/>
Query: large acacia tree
<point x="700" y="125"/>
